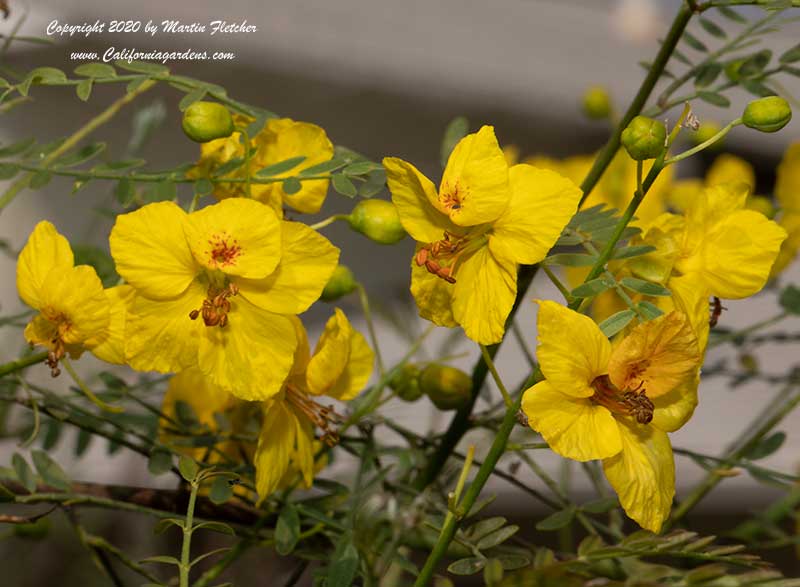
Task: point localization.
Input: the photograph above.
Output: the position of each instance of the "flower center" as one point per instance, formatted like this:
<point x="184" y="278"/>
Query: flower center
<point x="216" y="306"/>
<point x="442" y="257"/>
<point x="626" y="402"/>
<point x="58" y="324"/>
<point x="450" y="197"/>
<point x="224" y="250"/>
<point x="324" y="418"/>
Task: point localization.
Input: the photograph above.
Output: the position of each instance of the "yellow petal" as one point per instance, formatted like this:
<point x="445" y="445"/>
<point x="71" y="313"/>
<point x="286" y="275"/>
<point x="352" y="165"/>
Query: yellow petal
<point x="655" y="356"/>
<point x="282" y="139"/>
<point x="307" y="263"/>
<point x="302" y="456"/>
<point x="160" y="336"/>
<point x="716" y="203"/>
<point x="75" y="297"/>
<point x="575" y="428"/>
<point x="330" y="355"/>
<point x="787" y="181"/>
<point x="193" y="388"/>
<point x="483" y="295"/>
<point x="739" y="253"/>
<point x="151" y="252"/>
<point x="45" y="250"/>
<point x="572" y="350"/>
<point x="790" y="222"/>
<point x="690" y="296"/>
<point x="302" y="354"/>
<point x="236" y="236"/>
<point x="673" y="409"/>
<point x="111" y="347"/>
<point x="729" y="168"/>
<point x="413" y="194"/>
<point x="276" y="442"/>
<point x="683" y="193"/>
<point x="357" y="371"/>
<point x="643" y="474"/>
<point x="542" y="203"/>
<point x="252" y="355"/>
<point x="474" y="186"/>
<point x="433" y="296"/>
<point x="665" y="233"/>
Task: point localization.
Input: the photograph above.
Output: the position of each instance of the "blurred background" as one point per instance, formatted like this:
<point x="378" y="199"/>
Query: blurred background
<point x="384" y="79"/>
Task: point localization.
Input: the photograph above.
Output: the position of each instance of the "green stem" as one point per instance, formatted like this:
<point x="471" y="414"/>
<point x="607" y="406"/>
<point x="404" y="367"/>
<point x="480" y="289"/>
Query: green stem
<point x="187" y="537"/>
<point x="496" y="376"/>
<point x="328" y="221"/>
<point x="627" y="216"/>
<point x="704" y="144"/>
<point x="741" y="448"/>
<point x="88" y="392"/>
<point x="362" y="296"/>
<point x="557" y="282"/>
<point x="727" y="337"/>
<point x="74" y="139"/>
<point x="653" y="75"/>
<point x="452" y="522"/>
<point x="22" y="363"/>
<point x="713" y="3"/>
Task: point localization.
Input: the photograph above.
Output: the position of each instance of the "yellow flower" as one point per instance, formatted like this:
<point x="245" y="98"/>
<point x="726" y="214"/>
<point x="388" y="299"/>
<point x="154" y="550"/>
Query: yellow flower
<point x="616" y="404"/>
<point x="485" y="220"/>
<point x="214" y="288"/>
<point x="339" y="368"/>
<point x="280" y="139"/>
<point x="726" y="168"/>
<point x="787" y="192"/>
<point x="75" y="312"/>
<point x="718" y="247"/>
<point x="617" y="185"/>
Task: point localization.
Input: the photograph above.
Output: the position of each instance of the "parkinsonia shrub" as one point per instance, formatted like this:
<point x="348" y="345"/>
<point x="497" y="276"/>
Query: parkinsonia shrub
<point x="212" y="265"/>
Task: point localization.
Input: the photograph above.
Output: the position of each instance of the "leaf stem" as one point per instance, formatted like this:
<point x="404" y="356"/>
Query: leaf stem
<point x="185" y="565"/>
<point x="74" y="139"/>
<point x="496" y="376"/>
<point x="22" y="363"/>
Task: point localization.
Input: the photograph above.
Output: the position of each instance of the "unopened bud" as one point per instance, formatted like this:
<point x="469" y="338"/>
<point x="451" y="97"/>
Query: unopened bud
<point x="405" y="383"/>
<point x="761" y="204"/>
<point x="644" y="138"/>
<point x="768" y="114"/>
<point x="597" y="103"/>
<point x="377" y="220"/>
<point x="449" y="388"/>
<point x="706" y="131"/>
<point x="341" y="283"/>
<point x="206" y="121"/>
<point x="732" y="69"/>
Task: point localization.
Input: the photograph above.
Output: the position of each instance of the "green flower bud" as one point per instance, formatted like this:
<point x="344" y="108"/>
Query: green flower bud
<point x="341" y="283"/>
<point x="706" y="131"/>
<point x="761" y="204"/>
<point x="377" y="220"/>
<point x="768" y="114"/>
<point x="644" y="138"/>
<point x="206" y="121"/>
<point x="405" y="383"/>
<point x="597" y="103"/>
<point x="449" y="388"/>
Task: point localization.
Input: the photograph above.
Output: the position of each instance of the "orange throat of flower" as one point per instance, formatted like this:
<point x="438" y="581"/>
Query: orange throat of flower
<point x="634" y="403"/>
<point x="216" y="306"/>
<point x="324" y="418"/>
<point x="224" y="250"/>
<point x="58" y="325"/>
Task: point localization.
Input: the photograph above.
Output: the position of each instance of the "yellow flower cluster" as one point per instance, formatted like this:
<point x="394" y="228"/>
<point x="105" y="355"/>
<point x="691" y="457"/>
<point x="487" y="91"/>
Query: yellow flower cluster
<point x="213" y="296"/>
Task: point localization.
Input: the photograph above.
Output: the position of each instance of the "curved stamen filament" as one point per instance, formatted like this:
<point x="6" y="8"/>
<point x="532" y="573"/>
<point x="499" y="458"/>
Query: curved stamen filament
<point x="216" y="306"/>
<point x="323" y="417"/>
<point x="625" y="402"/>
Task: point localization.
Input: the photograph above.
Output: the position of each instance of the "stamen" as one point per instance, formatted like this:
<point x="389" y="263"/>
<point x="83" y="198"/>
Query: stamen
<point x="448" y="250"/>
<point x="324" y="418"/>
<point x="216" y="306"/>
<point x="626" y="402"/>
<point x="716" y="311"/>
